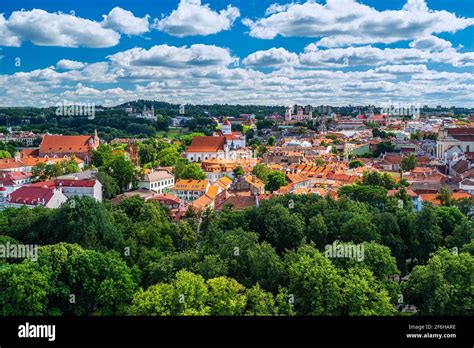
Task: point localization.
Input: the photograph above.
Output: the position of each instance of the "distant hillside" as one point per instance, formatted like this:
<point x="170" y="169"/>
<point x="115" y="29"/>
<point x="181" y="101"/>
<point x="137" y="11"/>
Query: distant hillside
<point x="171" y="110"/>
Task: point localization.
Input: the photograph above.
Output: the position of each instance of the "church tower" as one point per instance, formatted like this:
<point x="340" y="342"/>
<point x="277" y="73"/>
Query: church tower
<point x="288" y="113"/>
<point x="226" y="127"/>
<point x="96" y="139"/>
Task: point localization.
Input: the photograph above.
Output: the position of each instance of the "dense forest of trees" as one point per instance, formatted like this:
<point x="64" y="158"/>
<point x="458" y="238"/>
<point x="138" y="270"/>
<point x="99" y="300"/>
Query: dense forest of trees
<point x="130" y="259"/>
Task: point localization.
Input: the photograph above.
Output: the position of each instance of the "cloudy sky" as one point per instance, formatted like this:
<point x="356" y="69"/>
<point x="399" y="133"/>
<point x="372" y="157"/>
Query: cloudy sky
<point x="237" y="51"/>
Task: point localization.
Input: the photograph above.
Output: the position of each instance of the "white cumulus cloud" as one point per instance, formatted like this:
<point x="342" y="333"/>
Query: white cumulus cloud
<point x="125" y="22"/>
<point x="345" y="22"/>
<point x="55" y="29"/>
<point x="431" y="43"/>
<point x="66" y="64"/>
<point x="198" y="55"/>
<point x="272" y="58"/>
<point x="374" y="56"/>
<point x="193" y="18"/>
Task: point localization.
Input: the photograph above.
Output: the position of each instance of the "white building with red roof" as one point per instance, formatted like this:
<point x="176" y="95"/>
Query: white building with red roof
<point x="75" y="187"/>
<point x="206" y="148"/>
<point x="12" y="181"/>
<point x="32" y="196"/>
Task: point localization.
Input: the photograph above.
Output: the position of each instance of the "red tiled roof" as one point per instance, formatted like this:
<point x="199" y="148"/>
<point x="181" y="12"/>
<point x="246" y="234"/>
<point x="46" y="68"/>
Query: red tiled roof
<point x="9" y="163"/>
<point x="31" y="195"/>
<point x="296" y="178"/>
<point x="166" y="198"/>
<point x="238" y="202"/>
<point x="432" y="197"/>
<point x="47" y="183"/>
<point x="65" y="183"/>
<point x="65" y="143"/>
<point x="75" y="183"/>
<point x="376" y="117"/>
<point x="202" y="202"/>
<point x="341" y="177"/>
<point x="410" y="193"/>
<point x="233" y="136"/>
<point x="30" y="152"/>
<point x="206" y="144"/>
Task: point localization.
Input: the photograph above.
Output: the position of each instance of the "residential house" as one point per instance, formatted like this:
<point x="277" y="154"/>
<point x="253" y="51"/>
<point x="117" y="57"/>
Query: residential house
<point x="74" y="187"/>
<point x="176" y="206"/>
<point x="249" y="183"/>
<point x="216" y="170"/>
<point x="11" y="181"/>
<point x="299" y="181"/>
<point x="391" y="162"/>
<point x="157" y="181"/>
<point x="190" y="190"/>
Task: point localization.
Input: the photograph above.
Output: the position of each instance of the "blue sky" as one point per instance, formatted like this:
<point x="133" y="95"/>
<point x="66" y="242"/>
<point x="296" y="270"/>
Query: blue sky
<point x="241" y="51"/>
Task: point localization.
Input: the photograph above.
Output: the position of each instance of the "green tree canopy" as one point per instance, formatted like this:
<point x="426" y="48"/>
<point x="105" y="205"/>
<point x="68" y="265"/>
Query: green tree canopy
<point x="443" y="286"/>
<point x="275" y="180"/>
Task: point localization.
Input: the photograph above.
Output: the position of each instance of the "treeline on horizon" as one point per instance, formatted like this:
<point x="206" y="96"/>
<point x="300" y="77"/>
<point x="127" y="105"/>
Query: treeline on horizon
<point x="130" y="259"/>
<point x="115" y="123"/>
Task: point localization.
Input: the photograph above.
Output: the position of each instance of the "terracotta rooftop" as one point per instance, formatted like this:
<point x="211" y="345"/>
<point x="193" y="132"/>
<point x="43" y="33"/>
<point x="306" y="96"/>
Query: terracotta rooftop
<point x="191" y="185"/>
<point x="34" y="152"/>
<point x="206" y="144"/>
<point x="296" y="178"/>
<point x="65" y="143"/>
<point x="202" y="202"/>
<point x="432" y="197"/>
<point x="75" y="183"/>
<point x="213" y="191"/>
<point x="165" y="197"/>
<point x="254" y="181"/>
<point x="224" y="182"/>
